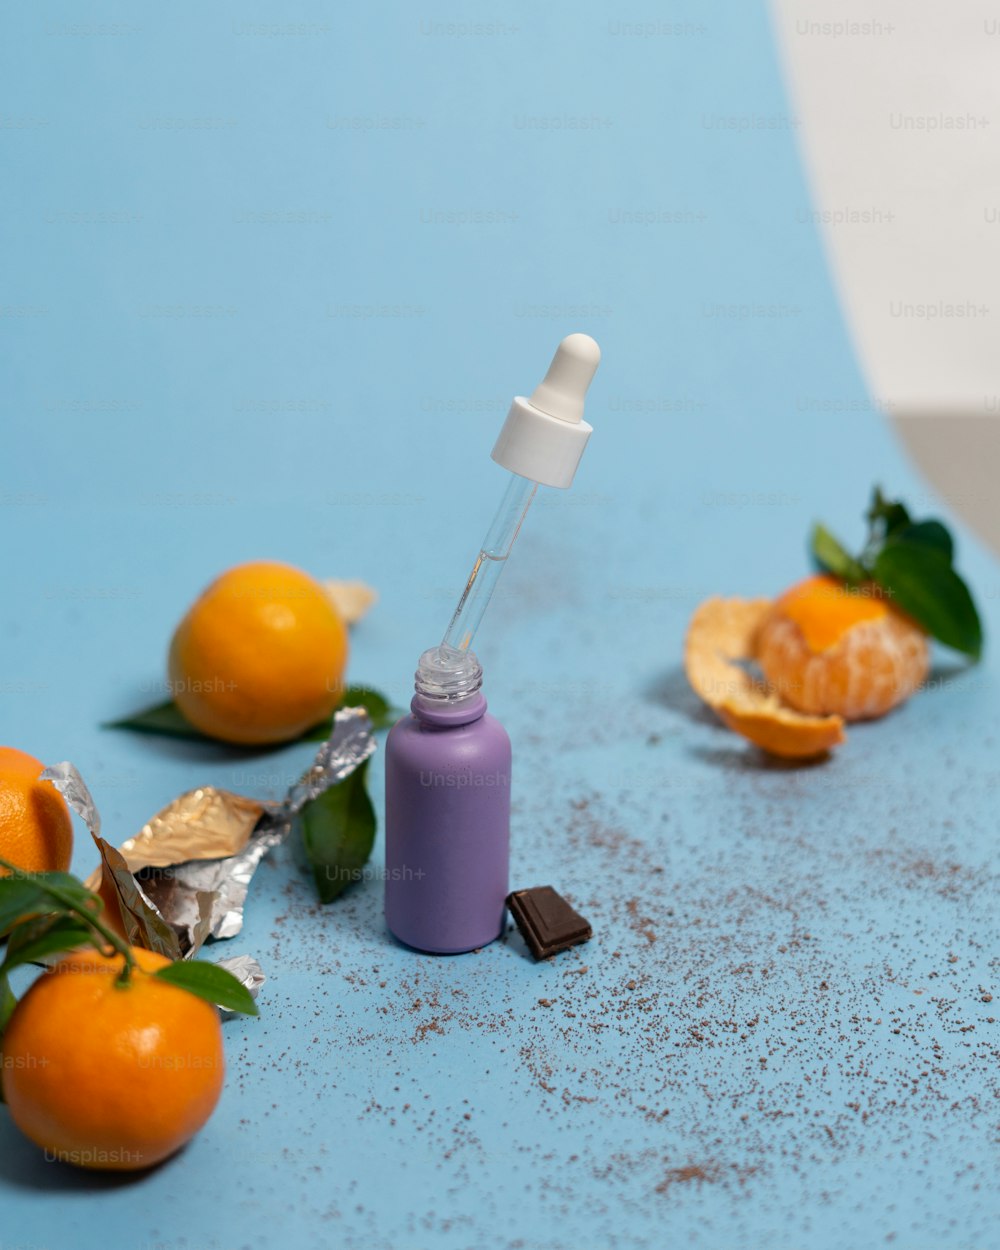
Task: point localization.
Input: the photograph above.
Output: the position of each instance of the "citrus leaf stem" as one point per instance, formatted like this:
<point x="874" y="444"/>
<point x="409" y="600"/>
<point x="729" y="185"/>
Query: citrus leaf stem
<point x="69" y="903"/>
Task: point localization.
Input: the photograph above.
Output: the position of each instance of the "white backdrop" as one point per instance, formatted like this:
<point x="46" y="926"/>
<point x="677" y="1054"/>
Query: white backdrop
<point x="898" y="107"/>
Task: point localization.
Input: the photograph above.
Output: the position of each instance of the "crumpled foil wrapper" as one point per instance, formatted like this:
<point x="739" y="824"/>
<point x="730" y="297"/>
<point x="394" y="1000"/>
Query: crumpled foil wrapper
<point x="184" y="877"/>
<point x="248" y="972"/>
<point x="223" y="822"/>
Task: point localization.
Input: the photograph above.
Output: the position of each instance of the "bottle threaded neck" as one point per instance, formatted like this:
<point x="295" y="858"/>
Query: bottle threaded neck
<point x="446" y="675"/>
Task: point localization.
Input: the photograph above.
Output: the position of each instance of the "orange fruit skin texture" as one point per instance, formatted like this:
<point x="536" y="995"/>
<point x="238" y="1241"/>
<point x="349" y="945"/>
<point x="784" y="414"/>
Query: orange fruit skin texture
<point x="36" y="829"/>
<point x="106" y="1077"/>
<point x="260" y="656"/>
<point x="825" y="648"/>
<point x="777" y="733"/>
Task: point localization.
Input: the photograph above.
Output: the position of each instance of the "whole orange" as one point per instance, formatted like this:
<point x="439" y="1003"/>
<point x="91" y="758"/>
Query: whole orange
<point x="109" y="1076"/>
<point x="260" y="656"/>
<point x="829" y="648"/>
<point x="36" y="830"/>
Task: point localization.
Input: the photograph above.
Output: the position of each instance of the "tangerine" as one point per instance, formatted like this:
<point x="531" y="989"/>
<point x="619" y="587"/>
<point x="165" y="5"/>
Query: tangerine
<point x="830" y="649"/>
<point x="109" y="1075"/>
<point x="260" y="656"/>
<point x="36" y="829"/>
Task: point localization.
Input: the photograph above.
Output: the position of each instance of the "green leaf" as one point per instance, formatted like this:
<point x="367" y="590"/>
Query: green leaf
<point x="33" y="940"/>
<point x="67" y="887"/>
<point x="338" y="830"/>
<point x="922" y="582"/>
<point x="7" y="1002"/>
<point x="381" y="712"/>
<point x="210" y="982"/>
<point x="167" y="718"/>
<point x="886" y="516"/>
<point x="19" y="897"/>
<point x="833" y="558"/>
<point x="164" y="718"/>
<point x="928" y="534"/>
<point x="25" y="893"/>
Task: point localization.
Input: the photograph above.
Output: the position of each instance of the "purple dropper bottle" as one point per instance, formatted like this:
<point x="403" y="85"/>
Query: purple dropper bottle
<point x="448" y="763"/>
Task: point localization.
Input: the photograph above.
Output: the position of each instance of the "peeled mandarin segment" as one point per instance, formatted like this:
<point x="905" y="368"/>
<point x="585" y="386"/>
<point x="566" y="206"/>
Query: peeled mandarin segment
<point x="824" y="609"/>
<point x="724" y="632"/>
<point x="878" y="658"/>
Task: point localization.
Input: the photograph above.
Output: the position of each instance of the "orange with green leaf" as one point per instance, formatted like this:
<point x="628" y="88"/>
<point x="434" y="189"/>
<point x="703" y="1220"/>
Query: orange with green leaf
<point x="848" y="644"/>
<point x="113" y="1058"/>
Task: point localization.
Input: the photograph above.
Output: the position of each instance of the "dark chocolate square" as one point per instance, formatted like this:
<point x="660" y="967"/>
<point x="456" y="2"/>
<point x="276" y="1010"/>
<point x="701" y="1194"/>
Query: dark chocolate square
<point x="547" y="922"/>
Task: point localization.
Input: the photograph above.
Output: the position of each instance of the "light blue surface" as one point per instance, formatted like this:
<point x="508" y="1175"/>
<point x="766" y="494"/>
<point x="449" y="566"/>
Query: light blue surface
<point x="336" y="409"/>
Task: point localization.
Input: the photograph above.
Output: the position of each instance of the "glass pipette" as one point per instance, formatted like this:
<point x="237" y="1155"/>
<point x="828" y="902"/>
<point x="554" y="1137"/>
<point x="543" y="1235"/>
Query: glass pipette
<point x="541" y="442"/>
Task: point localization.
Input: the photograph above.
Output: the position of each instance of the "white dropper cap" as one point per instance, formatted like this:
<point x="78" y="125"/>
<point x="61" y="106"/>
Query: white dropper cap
<point x="543" y="437"/>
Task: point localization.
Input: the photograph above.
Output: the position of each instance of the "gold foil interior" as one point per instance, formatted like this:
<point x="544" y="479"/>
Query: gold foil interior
<point x="206" y="823"/>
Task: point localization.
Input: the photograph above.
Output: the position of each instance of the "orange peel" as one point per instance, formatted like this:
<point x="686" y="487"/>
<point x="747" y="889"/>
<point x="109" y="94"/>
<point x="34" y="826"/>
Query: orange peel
<point x="351" y="599"/>
<point x="724" y="633"/>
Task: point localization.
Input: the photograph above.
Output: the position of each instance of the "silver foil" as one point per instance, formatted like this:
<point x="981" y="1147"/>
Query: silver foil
<point x="248" y="972"/>
<point x="143" y="924"/>
<point x="177" y="891"/>
<point x="74" y="790"/>
<point x="175" y="908"/>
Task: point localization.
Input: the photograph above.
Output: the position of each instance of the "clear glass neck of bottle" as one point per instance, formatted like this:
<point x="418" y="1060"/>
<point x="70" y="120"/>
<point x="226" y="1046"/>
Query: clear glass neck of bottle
<point x="447" y="676"/>
<point x="450" y="673"/>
